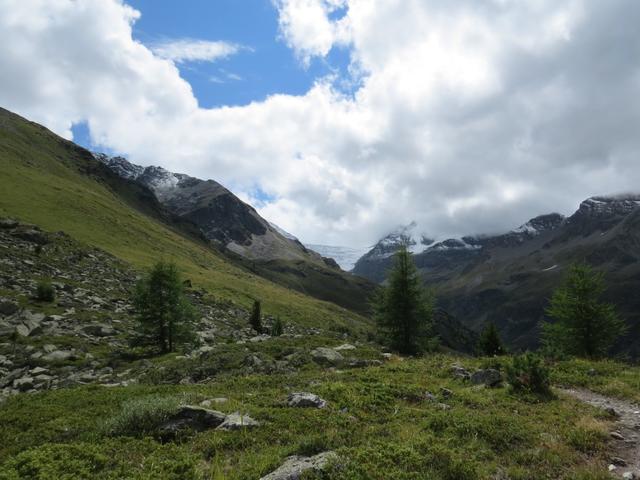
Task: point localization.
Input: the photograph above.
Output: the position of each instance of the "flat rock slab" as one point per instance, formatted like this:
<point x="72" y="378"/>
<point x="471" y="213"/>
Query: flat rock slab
<point x="327" y="357"/>
<point x="237" y="421"/>
<point x="305" y="400"/>
<point x="294" y="467"/>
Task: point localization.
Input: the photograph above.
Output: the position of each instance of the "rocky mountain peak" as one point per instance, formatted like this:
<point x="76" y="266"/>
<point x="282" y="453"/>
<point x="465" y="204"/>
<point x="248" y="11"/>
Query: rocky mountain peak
<point x="602" y="207"/>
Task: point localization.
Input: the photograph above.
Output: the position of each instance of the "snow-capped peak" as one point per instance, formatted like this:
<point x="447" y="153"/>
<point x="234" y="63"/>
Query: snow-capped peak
<point x="283" y="232"/>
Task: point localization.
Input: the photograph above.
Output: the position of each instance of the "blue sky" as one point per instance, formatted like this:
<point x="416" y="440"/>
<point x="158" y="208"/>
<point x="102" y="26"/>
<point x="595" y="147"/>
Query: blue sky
<point x="268" y="65"/>
<point x="265" y="67"/>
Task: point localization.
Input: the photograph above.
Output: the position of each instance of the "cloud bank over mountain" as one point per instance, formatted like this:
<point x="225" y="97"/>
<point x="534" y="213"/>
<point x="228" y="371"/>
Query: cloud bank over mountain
<point x="463" y="116"/>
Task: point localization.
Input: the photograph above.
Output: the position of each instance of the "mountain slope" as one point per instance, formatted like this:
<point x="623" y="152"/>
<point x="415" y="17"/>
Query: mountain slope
<point x="244" y="237"/>
<point x="60" y="186"/>
<point x="509" y="278"/>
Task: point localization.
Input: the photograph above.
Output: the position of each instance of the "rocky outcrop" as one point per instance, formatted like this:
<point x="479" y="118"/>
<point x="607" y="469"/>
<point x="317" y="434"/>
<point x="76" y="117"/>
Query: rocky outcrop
<point x="294" y="467"/>
<point x="305" y="400"/>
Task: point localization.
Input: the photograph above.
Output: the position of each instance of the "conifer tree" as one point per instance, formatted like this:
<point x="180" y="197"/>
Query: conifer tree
<point x="403" y="310"/>
<point x="584" y="325"/>
<point x="256" y="317"/>
<point x="490" y="343"/>
<point x="165" y="316"/>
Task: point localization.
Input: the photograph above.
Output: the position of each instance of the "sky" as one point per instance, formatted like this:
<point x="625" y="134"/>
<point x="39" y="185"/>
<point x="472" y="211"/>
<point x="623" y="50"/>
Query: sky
<point x="340" y="120"/>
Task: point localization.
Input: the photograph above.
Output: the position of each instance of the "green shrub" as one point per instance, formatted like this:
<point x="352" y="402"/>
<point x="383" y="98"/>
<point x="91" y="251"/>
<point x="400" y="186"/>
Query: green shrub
<point x="278" y="327"/>
<point x="45" y="291"/>
<point x="528" y="374"/>
<point x="142" y="416"/>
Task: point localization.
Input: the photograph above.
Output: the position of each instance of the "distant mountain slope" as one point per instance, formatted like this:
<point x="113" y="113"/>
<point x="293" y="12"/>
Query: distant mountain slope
<point x="60" y="186"/>
<point x="376" y="262"/>
<point x="223" y="217"/>
<point x="509" y="278"/>
<point x="245" y="237"/>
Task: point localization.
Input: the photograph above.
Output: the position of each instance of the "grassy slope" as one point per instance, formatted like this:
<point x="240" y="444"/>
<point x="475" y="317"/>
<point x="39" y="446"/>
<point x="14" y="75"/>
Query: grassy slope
<point x="377" y="419"/>
<point x="40" y="183"/>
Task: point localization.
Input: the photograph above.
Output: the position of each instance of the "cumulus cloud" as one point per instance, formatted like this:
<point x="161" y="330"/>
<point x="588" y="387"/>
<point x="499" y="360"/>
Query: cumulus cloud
<point x="191" y="50"/>
<point x="468" y="117"/>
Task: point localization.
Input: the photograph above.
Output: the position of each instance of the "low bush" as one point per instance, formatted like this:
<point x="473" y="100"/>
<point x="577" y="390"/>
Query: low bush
<point x="45" y="291"/>
<point x="528" y="374"/>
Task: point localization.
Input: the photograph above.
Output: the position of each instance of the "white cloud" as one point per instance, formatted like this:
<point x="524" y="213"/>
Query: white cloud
<point x="469" y="116"/>
<point x="307" y="28"/>
<point x="191" y="50"/>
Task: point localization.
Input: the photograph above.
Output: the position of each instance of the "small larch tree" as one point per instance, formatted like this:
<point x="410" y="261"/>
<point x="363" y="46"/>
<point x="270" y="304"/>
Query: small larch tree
<point x="404" y="309"/>
<point x="583" y="324"/>
<point x="255" y="320"/>
<point x="165" y="315"/>
<point x="490" y="343"/>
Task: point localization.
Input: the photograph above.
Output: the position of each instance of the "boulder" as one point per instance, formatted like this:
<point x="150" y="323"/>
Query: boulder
<point x="190" y="418"/>
<point x="59" y="356"/>
<point x="8" y="223"/>
<point x="8" y="308"/>
<point x="23" y="384"/>
<point x="489" y="377"/>
<point x="460" y="372"/>
<point x="236" y="421"/>
<point x="327" y="357"/>
<point x="99" y="330"/>
<point x="31" y="324"/>
<point x="32" y="235"/>
<point x="305" y="400"/>
<point x="294" y="467"/>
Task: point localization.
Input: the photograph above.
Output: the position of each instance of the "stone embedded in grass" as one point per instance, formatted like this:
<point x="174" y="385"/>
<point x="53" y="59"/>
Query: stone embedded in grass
<point x="209" y="402"/>
<point x="327" y="357"/>
<point x="237" y="421"/>
<point x="305" y="400"/>
<point x="190" y="418"/>
<point x="59" y="356"/>
<point x="489" y="377"/>
<point x="460" y="372"/>
<point x="8" y="308"/>
<point x="346" y="346"/>
<point x="294" y="467"/>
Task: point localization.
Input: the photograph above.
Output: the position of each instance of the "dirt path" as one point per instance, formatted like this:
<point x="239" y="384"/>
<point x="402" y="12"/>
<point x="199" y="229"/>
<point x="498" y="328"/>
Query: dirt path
<point x="626" y="436"/>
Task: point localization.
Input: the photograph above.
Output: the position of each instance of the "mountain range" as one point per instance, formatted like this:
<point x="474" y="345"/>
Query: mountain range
<point x="508" y="278"/>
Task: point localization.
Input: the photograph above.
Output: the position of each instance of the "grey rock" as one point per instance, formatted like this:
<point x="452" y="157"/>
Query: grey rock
<point x="99" y="330"/>
<point x="489" y="377"/>
<point x="59" y="356"/>
<point x="31" y="324"/>
<point x="8" y="223"/>
<point x="294" y="467"/>
<point x="460" y="372"/>
<point x="32" y="235"/>
<point x="8" y="308"/>
<point x="211" y="401"/>
<point x="190" y="418"/>
<point x="305" y="400"/>
<point x="327" y="357"/>
<point x="23" y="384"/>
<point x="237" y="421"/>
<point x="345" y="346"/>
<point x="616" y="435"/>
